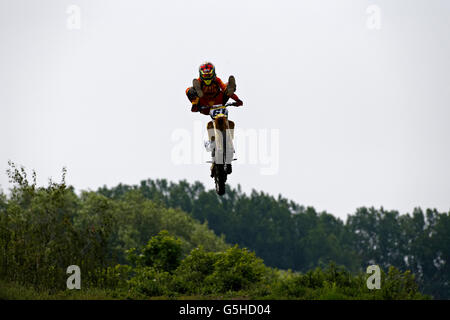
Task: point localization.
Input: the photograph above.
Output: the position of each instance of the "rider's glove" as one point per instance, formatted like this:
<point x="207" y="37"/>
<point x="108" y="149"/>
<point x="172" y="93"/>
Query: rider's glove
<point x="204" y="110"/>
<point x="239" y="103"/>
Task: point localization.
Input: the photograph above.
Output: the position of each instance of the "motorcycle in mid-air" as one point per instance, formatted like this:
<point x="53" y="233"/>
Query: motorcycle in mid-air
<point x="220" y="144"/>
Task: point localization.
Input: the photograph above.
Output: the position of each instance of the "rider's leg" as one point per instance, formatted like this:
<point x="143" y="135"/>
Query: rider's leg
<point x="231" y="86"/>
<point x="191" y="94"/>
<point x="197" y="87"/>
<point x="230" y="89"/>
<point x="193" y="98"/>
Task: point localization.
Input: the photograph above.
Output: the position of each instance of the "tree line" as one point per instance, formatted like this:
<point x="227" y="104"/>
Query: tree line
<point x="164" y="239"/>
<point x="287" y="235"/>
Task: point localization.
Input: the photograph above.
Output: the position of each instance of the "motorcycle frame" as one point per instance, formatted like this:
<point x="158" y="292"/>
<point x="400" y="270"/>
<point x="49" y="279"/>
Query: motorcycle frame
<point x="223" y="137"/>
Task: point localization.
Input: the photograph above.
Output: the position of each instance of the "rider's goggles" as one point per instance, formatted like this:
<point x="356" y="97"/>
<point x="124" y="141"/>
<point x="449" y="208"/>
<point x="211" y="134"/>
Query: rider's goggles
<point x="207" y="75"/>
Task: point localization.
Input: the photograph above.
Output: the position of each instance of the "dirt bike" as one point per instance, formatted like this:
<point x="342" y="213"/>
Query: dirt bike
<point x="221" y="134"/>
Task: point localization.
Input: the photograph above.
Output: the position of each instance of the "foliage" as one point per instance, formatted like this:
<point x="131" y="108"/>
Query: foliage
<point x="196" y="268"/>
<point x="287" y="235"/>
<point x="162" y="252"/>
<point x="43" y="230"/>
<point x="138" y="243"/>
<point x="236" y="269"/>
<point x="149" y="281"/>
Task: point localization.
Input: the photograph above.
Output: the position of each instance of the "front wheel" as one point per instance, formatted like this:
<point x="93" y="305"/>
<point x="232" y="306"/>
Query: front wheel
<point x="220" y="177"/>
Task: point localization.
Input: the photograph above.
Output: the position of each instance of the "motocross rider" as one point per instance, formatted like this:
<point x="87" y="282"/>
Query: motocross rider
<point x="209" y="90"/>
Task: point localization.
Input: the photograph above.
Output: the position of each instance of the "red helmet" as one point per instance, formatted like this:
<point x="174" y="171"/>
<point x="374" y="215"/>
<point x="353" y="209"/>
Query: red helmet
<point x="207" y="72"/>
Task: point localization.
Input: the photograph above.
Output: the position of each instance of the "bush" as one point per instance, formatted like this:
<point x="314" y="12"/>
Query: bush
<point x="150" y="282"/>
<point x="236" y="269"/>
<point x="193" y="276"/>
<point x="110" y="277"/>
<point x="162" y="252"/>
<point x="399" y="286"/>
<point x="335" y="283"/>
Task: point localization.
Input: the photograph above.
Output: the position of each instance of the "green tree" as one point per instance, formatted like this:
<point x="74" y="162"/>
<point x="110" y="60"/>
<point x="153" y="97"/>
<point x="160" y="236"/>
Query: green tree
<point x="237" y="269"/>
<point x="162" y="252"/>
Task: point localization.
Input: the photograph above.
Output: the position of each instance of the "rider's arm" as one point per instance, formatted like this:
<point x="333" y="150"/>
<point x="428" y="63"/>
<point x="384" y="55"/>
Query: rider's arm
<point x="205" y="110"/>
<point x="235" y="98"/>
<point x="201" y="109"/>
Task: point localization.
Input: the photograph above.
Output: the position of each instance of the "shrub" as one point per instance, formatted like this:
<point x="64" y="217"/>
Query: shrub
<point x="110" y="277"/>
<point x="149" y="281"/>
<point x="193" y="272"/>
<point x="162" y="252"/>
<point x="236" y="269"/>
<point x="399" y="286"/>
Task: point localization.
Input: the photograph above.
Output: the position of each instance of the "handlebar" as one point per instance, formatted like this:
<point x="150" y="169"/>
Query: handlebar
<point x="219" y="106"/>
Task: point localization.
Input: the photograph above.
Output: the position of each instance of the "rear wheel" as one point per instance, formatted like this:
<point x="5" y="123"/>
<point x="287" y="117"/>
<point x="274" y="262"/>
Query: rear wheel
<point x="220" y="177"/>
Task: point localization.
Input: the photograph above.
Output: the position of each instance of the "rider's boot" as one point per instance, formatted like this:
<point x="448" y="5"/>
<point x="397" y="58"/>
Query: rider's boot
<point x="198" y="88"/>
<point x="231" y="86"/>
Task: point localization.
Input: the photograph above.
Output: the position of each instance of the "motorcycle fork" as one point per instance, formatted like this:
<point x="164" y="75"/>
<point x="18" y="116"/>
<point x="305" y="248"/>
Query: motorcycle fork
<point x="223" y="137"/>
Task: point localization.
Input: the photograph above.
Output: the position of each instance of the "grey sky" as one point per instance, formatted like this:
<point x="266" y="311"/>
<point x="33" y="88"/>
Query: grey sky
<point x="362" y="114"/>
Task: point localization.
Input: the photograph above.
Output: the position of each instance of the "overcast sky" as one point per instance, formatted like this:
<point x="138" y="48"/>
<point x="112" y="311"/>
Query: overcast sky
<point x="356" y="95"/>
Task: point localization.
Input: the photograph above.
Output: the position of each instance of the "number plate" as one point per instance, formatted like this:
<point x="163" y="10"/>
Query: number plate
<point x="215" y="112"/>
